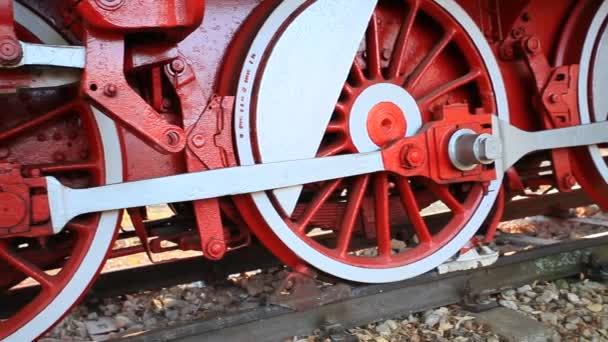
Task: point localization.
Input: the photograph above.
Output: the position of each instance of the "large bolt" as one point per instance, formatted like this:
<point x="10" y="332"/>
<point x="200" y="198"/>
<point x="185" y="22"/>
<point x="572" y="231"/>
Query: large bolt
<point x="412" y="157"/>
<point x="468" y="149"/>
<point x="10" y="51"/>
<point x="533" y="45"/>
<point x="488" y="148"/>
<point x="215" y="249"/>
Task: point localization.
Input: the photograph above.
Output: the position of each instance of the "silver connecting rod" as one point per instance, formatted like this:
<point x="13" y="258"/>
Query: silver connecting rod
<point x="516" y="143"/>
<point x="66" y="203"/>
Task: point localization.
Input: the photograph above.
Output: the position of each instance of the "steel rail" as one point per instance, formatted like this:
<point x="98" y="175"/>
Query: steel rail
<point x="378" y="302"/>
<point x="182" y="271"/>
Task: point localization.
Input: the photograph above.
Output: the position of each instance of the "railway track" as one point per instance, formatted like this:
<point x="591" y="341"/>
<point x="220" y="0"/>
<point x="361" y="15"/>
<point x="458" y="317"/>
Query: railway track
<point x="363" y="304"/>
<point x="189" y="270"/>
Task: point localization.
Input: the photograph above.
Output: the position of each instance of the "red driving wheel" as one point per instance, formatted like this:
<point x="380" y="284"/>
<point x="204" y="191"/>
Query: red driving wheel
<point x="51" y="132"/>
<point x="404" y="72"/>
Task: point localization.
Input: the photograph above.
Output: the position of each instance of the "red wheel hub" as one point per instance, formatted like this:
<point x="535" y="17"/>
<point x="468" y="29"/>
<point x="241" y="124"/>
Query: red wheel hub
<point x="386" y="123"/>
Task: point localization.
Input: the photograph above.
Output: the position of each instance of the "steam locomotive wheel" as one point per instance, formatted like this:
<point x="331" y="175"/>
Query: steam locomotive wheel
<point x="51" y="132"/>
<point x="591" y="167"/>
<point x="416" y="57"/>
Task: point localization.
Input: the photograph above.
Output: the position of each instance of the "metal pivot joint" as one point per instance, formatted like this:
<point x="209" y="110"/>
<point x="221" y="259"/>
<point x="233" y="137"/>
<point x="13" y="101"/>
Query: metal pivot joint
<point x="468" y="149"/>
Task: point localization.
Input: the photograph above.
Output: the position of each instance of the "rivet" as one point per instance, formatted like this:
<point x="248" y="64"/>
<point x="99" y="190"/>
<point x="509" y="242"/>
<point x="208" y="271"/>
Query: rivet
<point x="198" y="140"/>
<point x="110" y="90"/>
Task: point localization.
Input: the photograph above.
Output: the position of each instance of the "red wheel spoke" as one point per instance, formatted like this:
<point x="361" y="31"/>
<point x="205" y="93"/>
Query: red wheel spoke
<point x="398" y="57"/>
<point x="335" y="127"/>
<point x="317" y="202"/>
<point x="68" y="167"/>
<point x="383" y="225"/>
<point x="357" y="73"/>
<point x="408" y="199"/>
<point x="423" y="66"/>
<point x="448" y="87"/>
<point x="373" y="49"/>
<point x="332" y="149"/>
<point x="347" y="90"/>
<point x="445" y="196"/>
<point x="26" y="267"/>
<point x="355" y="198"/>
<point x="56" y="113"/>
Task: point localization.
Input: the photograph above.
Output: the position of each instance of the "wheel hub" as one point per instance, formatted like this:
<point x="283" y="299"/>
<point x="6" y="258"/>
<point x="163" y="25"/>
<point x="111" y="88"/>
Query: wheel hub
<point x="381" y="113"/>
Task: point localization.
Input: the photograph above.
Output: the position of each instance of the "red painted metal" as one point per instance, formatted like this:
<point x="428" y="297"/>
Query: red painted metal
<point x="10" y="49"/>
<point x="168" y="78"/>
<point x="435" y="81"/>
<point x="426" y="154"/>
<point x="175" y="19"/>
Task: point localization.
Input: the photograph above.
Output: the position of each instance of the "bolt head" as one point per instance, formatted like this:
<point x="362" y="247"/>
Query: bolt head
<point x="198" y="141"/>
<point x="110" y="90"/>
<point x="533" y="45"/>
<point x="413" y="157"/>
<point x="490" y="148"/>
<point x="10" y="51"/>
<point x="178" y="66"/>
<point x="215" y="249"/>
<point x="555" y="98"/>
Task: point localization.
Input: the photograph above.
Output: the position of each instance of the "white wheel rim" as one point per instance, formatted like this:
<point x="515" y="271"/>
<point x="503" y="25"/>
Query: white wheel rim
<point x="597" y="33"/>
<point x="107" y="222"/>
<point x="276" y="222"/>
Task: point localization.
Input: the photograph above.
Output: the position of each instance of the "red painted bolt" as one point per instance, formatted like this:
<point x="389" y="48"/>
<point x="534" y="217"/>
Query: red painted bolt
<point x="178" y="66"/>
<point x="533" y="45"/>
<point x="555" y="98"/>
<point x="110" y="90"/>
<point x="518" y="32"/>
<point x="215" y="249"/>
<point x="173" y="137"/>
<point x="413" y="157"/>
<point x="10" y="51"/>
<point x="109" y="5"/>
<point x="198" y="141"/>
